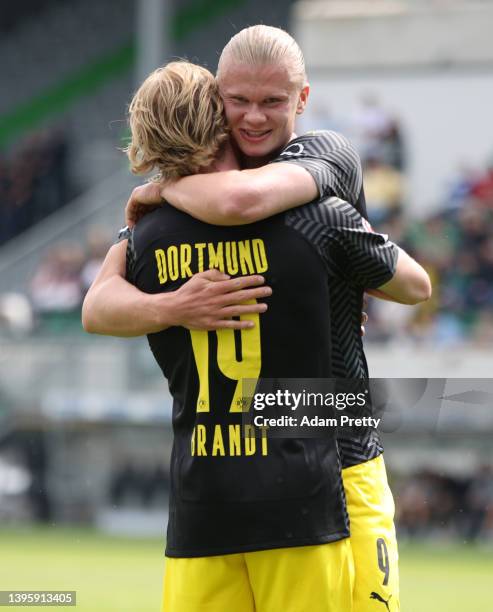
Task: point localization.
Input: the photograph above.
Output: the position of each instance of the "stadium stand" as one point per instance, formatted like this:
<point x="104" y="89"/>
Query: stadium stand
<point x="17" y="12"/>
<point x="66" y="36"/>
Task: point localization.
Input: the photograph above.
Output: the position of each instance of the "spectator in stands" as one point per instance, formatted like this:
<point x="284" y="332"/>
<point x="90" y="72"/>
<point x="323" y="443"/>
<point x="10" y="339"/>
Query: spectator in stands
<point x="33" y="182"/>
<point x="371" y="121"/>
<point x="384" y="189"/>
<point x="479" y="498"/>
<point x="56" y="286"/>
<point x="16" y="314"/>
<point x="392" y="146"/>
<point x="374" y="129"/>
<point x="433" y="504"/>
<point x="483" y="188"/>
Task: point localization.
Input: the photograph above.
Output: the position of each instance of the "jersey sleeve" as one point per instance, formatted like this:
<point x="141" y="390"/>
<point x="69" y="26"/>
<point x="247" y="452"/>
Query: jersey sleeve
<point x="332" y="161"/>
<point x="123" y="234"/>
<point x="131" y="258"/>
<point x="347" y="243"/>
<point x="127" y="233"/>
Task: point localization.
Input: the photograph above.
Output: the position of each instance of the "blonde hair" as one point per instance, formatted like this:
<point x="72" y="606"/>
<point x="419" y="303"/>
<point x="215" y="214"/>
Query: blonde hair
<point x="177" y="122"/>
<point x="261" y="45"/>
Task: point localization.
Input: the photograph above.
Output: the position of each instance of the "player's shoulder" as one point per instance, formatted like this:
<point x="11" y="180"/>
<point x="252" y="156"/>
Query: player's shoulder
<point x="316" y="142"/>
<point x="331" y="212"/>
<point x="158" y="223"/>
<point x="164" y="221"/>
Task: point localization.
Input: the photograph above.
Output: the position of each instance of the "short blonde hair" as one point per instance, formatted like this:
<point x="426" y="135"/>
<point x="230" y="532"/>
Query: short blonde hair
<point x="177" y="122"/>
<point x="262" y="45"/>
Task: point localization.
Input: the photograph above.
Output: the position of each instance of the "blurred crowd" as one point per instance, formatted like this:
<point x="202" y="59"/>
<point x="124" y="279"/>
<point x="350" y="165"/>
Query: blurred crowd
<point x="431" y="504"/>
<point x="378" y="137"/>
<point x="139" y="484"/>
<point x="58" y="287"/>
<point x="33" y="182"/>
<point x="27" y="492"/>
<point x="64" y="276"/>
<point x="454" y="244"/>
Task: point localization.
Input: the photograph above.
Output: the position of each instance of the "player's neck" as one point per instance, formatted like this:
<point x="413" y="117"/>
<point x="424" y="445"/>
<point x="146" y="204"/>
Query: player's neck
<point x="247" y="163"/>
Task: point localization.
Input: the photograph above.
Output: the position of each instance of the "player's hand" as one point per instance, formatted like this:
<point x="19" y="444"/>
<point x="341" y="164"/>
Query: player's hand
<point x="143" y="200"/>
<point x="209" y="299"/>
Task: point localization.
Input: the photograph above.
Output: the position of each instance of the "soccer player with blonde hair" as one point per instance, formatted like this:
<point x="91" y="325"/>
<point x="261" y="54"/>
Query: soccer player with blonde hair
<point x="263" y="85"/>
<point x="177" y="122"/>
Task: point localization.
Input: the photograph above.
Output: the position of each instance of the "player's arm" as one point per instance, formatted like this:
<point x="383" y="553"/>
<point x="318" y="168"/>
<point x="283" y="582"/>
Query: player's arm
<point x="410" y="283"/>
<point x="325" y="164"/>
<point x="385" y="269"/>
<point x="208" y="300"/>
<point x="369" y="259"/>
<point x="111" y="300"/>
<point x="235" y="197"/>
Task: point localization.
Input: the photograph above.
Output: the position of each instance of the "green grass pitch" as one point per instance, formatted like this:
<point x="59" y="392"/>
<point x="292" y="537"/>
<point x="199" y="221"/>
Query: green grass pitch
<point x="123" y="574"/>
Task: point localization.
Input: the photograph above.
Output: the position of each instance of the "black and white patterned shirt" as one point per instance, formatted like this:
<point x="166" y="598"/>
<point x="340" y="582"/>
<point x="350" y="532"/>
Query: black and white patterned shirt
<point x="336" y="168"/>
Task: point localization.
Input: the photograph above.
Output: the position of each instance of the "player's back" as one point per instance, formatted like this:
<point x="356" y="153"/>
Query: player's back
<point x="230" y="492"/>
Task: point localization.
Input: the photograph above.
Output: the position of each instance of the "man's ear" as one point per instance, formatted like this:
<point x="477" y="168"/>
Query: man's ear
<point x="302" y="99"/>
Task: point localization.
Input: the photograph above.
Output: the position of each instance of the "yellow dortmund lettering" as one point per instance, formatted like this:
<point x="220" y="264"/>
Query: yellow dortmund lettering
<point x="245" y="257"/>
<point x="173" y="263"/>
<point x="200" y="246"/>
<point x="259" y="255"/>
<point x="161" y="265"/>
<point x="231" y="258"/>
<point x="216" y="259"/>
<point x="185" y="259"/>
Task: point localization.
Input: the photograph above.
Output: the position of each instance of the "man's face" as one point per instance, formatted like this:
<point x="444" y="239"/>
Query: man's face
<point x="261" y="104"/>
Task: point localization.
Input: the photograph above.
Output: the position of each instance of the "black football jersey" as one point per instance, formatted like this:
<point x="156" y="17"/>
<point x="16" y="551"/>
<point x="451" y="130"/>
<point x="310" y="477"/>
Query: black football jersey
<point x="231" y="491"/>
<point x="335" y="166"/>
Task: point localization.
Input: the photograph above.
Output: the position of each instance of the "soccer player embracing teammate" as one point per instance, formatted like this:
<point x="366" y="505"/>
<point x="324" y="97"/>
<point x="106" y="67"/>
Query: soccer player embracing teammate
<point x="256" y="523"/>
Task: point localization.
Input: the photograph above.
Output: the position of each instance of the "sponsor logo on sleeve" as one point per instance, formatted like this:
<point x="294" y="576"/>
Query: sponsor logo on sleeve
<point x="293" y="150"/>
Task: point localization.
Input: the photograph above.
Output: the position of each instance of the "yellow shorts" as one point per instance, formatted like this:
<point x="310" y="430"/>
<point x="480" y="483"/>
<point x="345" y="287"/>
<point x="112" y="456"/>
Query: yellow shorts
<point x="299" y="579"/>
<point x="373" y="542"/>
